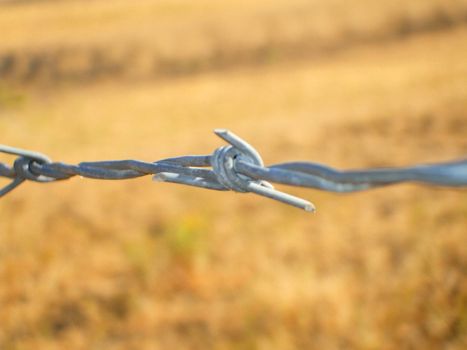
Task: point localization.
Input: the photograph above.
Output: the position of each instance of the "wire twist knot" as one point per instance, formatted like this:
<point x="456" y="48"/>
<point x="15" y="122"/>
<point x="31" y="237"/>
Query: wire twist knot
<point x="223" y="164"/>
<point x="22" y="168"/>
<point x="224" y="160"/>
<point x="23" y="165"/>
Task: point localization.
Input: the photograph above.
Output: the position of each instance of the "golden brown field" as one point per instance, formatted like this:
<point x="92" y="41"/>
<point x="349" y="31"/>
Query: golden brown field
<point x="88" y="264"/>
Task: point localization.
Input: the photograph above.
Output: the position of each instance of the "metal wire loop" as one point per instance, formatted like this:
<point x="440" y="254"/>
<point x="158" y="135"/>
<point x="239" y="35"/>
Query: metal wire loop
<point x="22" y="168"/>
<point x="224" y="161"/>
<point x="223" y="164"/>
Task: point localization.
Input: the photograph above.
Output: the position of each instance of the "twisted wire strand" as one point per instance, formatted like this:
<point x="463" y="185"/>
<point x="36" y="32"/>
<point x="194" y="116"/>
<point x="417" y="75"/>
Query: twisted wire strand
<point x="237" y="167"/>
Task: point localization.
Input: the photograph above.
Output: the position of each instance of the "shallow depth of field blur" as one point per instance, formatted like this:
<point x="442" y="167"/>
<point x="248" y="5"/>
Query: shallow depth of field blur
<point x="88" y="264"/>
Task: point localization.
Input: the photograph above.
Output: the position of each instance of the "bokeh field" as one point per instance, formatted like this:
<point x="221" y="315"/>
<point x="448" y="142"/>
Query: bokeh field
<point x="88" y="264"/>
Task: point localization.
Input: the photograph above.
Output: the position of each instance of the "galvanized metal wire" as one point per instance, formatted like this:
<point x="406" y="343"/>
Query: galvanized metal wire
<point x="237" y="167"/>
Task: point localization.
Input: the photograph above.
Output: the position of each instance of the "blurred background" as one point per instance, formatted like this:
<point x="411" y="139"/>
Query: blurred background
<point x="87" y="264"/>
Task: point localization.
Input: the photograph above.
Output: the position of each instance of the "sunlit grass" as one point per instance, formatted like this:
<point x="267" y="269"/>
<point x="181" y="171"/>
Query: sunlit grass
<point x="137" y="264"/>
<point x="80" y="41"/>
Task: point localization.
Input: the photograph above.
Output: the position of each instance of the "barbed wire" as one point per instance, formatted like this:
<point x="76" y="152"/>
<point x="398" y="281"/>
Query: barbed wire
<point x="237" y="167"/>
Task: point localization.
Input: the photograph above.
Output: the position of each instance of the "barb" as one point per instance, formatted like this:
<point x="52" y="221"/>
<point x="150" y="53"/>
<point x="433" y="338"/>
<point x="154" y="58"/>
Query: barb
<point x="237" y="167"/>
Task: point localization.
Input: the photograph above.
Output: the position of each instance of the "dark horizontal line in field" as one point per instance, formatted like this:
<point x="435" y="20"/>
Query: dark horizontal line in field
<point x="86" y="64"/>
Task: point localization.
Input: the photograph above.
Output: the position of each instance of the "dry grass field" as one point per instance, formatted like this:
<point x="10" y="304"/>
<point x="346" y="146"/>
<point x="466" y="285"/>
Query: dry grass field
<point x="50" y="41"/>
<point x="88" y="264"/>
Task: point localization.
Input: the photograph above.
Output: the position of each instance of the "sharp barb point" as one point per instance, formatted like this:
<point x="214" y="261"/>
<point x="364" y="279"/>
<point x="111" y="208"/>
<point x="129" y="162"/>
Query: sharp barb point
<point x="310" y="208"/>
